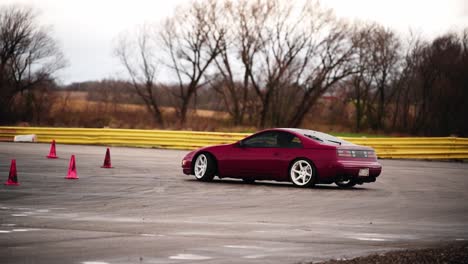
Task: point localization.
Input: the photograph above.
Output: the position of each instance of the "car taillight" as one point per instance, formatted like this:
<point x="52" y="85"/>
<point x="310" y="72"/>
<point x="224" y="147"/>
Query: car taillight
<point x="351" y="153"/>
<point x="344" y="153"/>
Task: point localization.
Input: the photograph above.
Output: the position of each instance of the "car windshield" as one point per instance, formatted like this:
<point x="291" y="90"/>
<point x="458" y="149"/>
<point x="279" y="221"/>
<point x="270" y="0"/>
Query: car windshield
<point x="321" y="137"/>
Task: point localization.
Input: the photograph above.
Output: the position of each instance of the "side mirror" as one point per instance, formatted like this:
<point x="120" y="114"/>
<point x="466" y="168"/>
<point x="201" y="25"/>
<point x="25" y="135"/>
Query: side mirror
<point x="241" y="144"/>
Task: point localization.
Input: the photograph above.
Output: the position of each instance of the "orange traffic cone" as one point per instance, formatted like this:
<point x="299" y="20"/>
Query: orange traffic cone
<point x="52" y="154"/>
<point x="107" y="160"/>
<point x="13" y="176"/>
<point x="72" y="174"/>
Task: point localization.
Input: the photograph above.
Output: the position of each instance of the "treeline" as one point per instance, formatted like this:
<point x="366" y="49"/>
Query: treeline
<point x="277" y="59"/>
<point x="417" y="87"/>
<point x="270" y="63"/>
<point x="118" y="91"/>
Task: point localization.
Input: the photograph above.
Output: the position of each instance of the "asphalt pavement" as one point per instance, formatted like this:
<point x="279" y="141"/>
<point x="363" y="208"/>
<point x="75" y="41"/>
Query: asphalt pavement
<point x="145" y="210"/>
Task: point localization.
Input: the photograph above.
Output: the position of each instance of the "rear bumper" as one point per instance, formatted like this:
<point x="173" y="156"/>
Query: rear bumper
<point x="350" y="169"/>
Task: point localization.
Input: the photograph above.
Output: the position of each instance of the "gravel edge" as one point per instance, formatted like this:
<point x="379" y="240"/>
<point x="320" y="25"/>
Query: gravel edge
<point x="453" y="253"/>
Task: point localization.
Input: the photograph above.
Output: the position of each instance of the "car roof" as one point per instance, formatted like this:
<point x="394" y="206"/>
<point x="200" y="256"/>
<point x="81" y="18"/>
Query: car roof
<point x="321" y="137"/>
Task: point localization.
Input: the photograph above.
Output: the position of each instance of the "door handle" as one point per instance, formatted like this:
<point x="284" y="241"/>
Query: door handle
<point x="276" y="154"/>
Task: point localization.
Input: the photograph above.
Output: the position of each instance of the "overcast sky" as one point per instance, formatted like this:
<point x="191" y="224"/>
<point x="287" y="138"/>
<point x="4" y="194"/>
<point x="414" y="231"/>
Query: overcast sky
<point x="86" y="29"/>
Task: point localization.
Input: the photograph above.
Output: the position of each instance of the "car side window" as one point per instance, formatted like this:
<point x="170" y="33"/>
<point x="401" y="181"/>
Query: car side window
<point x="287" y="140"/>
<point x="263" y="140"/>
<point x="273" y="139"/>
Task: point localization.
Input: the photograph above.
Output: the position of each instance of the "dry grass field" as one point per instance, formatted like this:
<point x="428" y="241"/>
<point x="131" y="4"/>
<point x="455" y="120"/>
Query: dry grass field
<point x="73" y="109"/>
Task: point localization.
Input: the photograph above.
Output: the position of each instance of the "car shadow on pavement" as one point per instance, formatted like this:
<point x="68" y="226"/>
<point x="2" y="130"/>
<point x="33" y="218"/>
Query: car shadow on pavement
<point x="318" y="187"/>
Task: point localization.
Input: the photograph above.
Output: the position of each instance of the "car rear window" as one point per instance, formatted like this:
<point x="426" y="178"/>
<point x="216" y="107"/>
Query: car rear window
<point x="322" y="137"/>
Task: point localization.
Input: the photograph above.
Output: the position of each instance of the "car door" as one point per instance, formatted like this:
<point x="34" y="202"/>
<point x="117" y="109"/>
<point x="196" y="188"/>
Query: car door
<point x="256" y="155"/>
<point x="289" y="147"/>
<point x="251" y="157"/>
<point x="262" y="156"/>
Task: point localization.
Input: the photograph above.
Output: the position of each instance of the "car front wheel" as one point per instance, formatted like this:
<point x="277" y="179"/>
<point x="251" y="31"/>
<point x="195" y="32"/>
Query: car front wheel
<point x="302" y="173"/>
<point x="204" y="168"/>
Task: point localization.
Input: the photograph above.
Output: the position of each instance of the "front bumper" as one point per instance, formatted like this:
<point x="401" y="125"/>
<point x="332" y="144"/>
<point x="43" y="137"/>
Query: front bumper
<point x="187" y="166"/>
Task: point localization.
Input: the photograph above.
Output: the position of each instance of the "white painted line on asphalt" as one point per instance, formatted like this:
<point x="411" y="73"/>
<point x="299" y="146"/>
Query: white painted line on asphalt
<point x="19" y="215"/>
<point x="94" y="262"/>
<point x="460" y="239"/>
<point x="151" y="235"/>
<point x="370" y="239"/>
<point x="242" y="247"/>
<point x="189" y="257"/>
<point x="24" y="229"/>
<point x="380" y="237"/>
<point x="20" y="230"/>
<point x="4" y="231"/>
<point x="254" y="256"/>
<point x="28" y="213"/>
<point x="191" y="233"/>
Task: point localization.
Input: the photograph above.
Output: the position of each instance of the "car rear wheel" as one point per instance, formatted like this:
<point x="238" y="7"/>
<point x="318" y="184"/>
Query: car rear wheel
<point x="204" y="168"/>
<point x="345" y="182"/>
<point x="302" y="173"/>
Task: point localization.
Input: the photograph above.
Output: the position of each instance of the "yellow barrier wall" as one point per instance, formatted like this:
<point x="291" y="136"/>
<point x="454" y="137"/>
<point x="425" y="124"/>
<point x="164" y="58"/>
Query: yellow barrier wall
<point x="401" y="148"/>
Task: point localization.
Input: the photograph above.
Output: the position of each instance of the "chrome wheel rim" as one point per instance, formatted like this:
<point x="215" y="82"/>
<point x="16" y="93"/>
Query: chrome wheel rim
<point x="301" y="172"/>
<point x="200" y="166"/>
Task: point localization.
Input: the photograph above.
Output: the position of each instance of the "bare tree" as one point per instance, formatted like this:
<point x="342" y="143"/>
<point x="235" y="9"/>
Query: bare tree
<point x="290" y="55"/>
<point x="29" y="56"/>
<point x="377" y="68"/>
<point x="280" y="57"/>
<point x="405" y="83"/>
<point x="329" y="57"/>
<point x="231" y="82"/>
<point x="137" y="55"/>
<point x="270" y="44"/>
<point x="262" y="42"/>
<point x="384" y="65"/>
<point x="191" y="44"/>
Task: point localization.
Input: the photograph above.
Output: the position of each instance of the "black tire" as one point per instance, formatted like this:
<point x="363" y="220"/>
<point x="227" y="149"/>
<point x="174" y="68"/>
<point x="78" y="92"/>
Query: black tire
<point x="310" y="177"/>
<point x="249" y="180"/>
<point x="345" y="183"/>
<point x="204" y="174"/>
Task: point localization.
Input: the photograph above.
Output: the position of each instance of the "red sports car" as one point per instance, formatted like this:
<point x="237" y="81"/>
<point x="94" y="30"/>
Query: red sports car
<point x="304" y="157"/>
